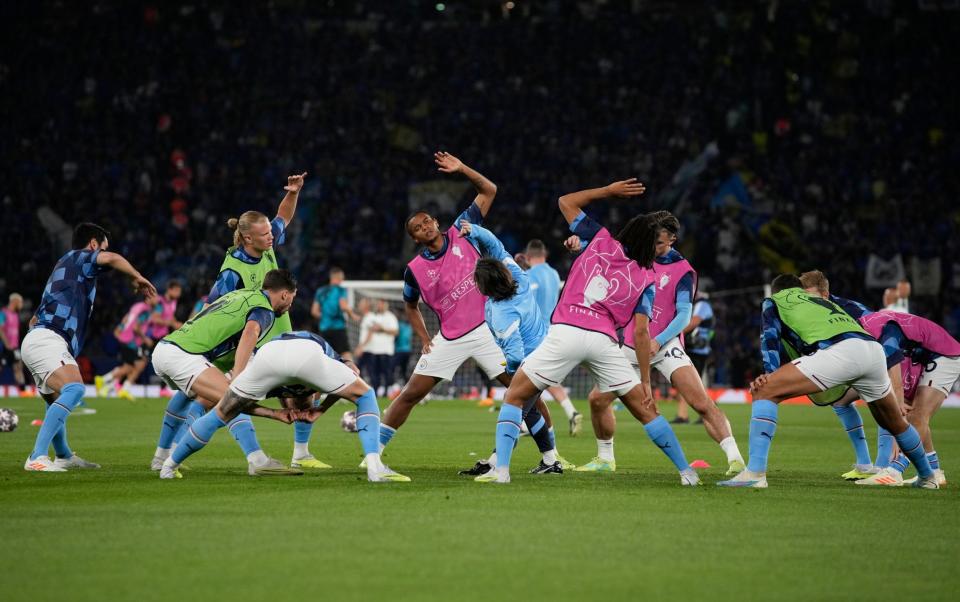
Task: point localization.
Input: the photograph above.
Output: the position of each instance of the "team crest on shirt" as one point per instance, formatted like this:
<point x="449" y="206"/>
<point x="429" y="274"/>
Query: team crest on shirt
<point x="664" y="281"/>
<point x="457" y="252"/>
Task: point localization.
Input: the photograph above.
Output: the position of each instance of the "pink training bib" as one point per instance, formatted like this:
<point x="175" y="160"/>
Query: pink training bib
<point x="127" y="334"/>
<point x="158" y="331"/>
<point x="929" y="335"/>
<point x="666" y="277"/>
<point x="11" y="327"/>
<point x="447" y="286"/>
<point x="602" y="289"/>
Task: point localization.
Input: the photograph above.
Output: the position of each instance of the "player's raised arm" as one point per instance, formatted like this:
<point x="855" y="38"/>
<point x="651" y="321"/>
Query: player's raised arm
<point x="288" y="206"/>
<point x="486" y="190"/>
<point x="119" y="263"/>
<point x="572" y="204"/>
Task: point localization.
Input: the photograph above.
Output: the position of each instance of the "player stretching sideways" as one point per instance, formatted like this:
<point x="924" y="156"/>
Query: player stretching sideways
<point x="837" y="352"/>
<point x="56" y="337"/>
<point x="676" y="285"/>
<point x="609" y="282"/>
<point x="292" y="359"/>
<point x="442" y="274"/>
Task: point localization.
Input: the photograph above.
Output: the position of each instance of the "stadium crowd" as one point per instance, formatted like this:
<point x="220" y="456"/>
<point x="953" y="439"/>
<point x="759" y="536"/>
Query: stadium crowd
<point x="778" y="150"/>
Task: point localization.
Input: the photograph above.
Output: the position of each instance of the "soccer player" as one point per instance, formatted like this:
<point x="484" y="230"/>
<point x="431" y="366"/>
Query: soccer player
<point x="56" y="335"/>
<point x="163" y="320"/>
<point x="815" y="282"/>
<point x="836" y="352"/>
<point x="329" y="307"/>
<point x="545" y="284"/>
<point x="676" y="283"/>
<point x="134" y="341"/>
<point x="930" y="366"/>
<point x="377" y="346"/>
<point x="442" y="274"/>
<point x="513" y="316"/>
<point x="10" y="337"/>
<point x="609" y="282"/>
<point x="222" y="337"/>
<point x="699" y="335"/>
<point x="299" y="359"/>
<point x="244" y="267"/>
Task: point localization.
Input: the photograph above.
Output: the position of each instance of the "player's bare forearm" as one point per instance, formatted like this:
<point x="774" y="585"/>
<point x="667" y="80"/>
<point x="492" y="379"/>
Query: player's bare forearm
<point x="248" y="340"/>
<point x="486" y="189"/>
<point x="573" y="203"/>
<point x="265" y="412"/>
<point x="288" y="206"/>
<point x="233" y="405"/>
<point x="641" y="336"/>
<point x="416" y="321"/>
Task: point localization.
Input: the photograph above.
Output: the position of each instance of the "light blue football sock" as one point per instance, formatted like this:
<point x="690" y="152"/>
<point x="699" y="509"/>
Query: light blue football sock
<point x="197" y="436"/>
<point x="508" y="432"/>
<point x="912" y="447"/>
<point x="386" y="434"/>
<point x="884" y="448"/>
<point x="173" y="418"/>
<point x="663" y="437"/>
<point x="60" y="444"/>
<point x="70" y="397"/>
<point x="900" y="463"/>
<point x="932" y="457"/>
<point x="853" y="423"/>
<point x="763" y="425"/>
<point x="242" y="430"/>
<point x="194" y="412"/>
<point x="368" y="422"/>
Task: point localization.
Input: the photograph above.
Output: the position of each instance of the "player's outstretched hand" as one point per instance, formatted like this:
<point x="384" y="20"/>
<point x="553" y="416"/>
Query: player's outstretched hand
<point x="310" y="415"/>
<point x="145" y="287"/>
<point x="295" y="183"/>
<point x="446" y="162"/>
<point x="573" y="244"/>
<point x="626" y="188"/>
<point x="465" y="228"/>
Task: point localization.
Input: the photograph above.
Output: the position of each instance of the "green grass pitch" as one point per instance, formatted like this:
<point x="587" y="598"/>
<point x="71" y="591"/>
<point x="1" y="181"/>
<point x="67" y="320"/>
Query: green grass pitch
<point x="119" y="533"/>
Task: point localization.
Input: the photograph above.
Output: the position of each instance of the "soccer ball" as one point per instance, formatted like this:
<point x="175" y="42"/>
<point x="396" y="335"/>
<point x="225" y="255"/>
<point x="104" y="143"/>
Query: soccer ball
<point x="8" y="420"/>
<point x="348" y="421"/>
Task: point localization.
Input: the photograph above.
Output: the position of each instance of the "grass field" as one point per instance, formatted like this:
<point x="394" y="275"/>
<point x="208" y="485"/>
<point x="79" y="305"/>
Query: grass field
<point x="121" y="534"/>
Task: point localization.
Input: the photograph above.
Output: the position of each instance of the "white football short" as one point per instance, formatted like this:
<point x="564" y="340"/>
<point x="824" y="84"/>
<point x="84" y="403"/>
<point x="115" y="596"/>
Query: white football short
<point x="291" y="362"/>
<point x="858" y="363"/>
<point x="670" y="357"/>
<point x="44" y="351"/>
<point x="447" y="356"/>
<point x="567" y="346"/>
<point x="178" y="368"/>
<point x="941" y="373"/>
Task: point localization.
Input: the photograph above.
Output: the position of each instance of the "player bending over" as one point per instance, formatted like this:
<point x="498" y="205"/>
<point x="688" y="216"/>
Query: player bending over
<point x="56" y="337"/>
<point x="608" y="283"/>
<point x="836" y="352"/>
<point x="676" y="285"/>
<point x="193" y="358"/>
<point x="514" y="318"/>
<point x="291" y="359"/>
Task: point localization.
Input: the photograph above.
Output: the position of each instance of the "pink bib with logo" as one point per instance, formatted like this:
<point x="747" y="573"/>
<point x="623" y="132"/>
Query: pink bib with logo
<point x="447" y="286"/>
<point x="929" y="335"/>
<point x="666" y="277"/>
<point x="602" y="289"/>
